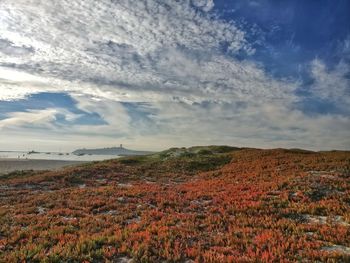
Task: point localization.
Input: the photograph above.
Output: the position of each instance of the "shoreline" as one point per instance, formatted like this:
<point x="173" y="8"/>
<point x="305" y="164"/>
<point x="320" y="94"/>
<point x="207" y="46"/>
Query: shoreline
<point x="8" y="165"/>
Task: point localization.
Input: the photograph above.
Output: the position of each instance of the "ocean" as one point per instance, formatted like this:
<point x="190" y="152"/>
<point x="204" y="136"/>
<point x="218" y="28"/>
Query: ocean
<point x="53" y="156"/>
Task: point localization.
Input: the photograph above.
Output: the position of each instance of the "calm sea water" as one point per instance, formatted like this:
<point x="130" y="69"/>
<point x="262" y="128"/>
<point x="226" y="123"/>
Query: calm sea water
<point x="55" y="156"/>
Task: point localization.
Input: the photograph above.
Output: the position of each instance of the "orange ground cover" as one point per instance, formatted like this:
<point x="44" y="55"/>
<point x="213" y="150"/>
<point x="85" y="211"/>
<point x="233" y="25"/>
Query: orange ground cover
<point x="263" y="206"/>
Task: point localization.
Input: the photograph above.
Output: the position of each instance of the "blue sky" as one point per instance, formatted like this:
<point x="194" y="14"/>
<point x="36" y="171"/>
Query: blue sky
<point x="156" y="74"/>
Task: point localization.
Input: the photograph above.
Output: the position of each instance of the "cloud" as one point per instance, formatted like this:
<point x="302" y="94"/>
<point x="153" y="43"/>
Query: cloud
<point x="331" y="85"/>
<point x="41" y="118"/>
<point x="149" y="51"/>
<point x="205" y="5"/>
<point x="117" y="50"/>
<point x="159" y="73"/>
<point x="8" y="48"/>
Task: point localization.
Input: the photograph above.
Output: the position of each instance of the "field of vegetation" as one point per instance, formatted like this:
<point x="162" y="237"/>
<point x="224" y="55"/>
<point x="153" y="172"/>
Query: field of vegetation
<point x="201" y="204"/>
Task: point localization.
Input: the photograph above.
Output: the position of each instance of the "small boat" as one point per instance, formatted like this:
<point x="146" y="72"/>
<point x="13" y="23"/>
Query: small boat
<point x="33" y="152"/>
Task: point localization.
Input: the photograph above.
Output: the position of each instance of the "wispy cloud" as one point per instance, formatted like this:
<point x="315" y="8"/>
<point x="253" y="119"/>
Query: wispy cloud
<point x="119" y="49"/>
<point x="167" y="70"/>
<point x="331" y="85"/>
<point x="39" y="118"/>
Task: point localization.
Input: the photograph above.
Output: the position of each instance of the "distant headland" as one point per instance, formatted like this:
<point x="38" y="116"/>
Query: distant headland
<point x="121" y="151"/>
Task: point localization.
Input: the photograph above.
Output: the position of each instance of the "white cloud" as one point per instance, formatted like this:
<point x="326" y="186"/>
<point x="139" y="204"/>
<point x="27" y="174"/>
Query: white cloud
<point x="332" y="85"/>
<point x="205" y="5"/>
<point x="118" y="49"/>
<point x="161" y="52"/>
<point x="112" y="112"/>
<point x="149" y="51"/>
<point x="39" y="118"/>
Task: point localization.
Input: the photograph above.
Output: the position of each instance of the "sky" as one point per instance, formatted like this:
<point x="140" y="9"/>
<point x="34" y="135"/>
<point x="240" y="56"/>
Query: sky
<point x="153" y="74"/>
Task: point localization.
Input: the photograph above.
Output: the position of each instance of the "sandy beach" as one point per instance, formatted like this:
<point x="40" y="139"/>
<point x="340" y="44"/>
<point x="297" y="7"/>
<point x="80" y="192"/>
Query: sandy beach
<point x="10" y="165"/>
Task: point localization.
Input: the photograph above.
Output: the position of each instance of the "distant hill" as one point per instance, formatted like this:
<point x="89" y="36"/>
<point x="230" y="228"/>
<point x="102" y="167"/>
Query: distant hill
<point x="121" y="151"/>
